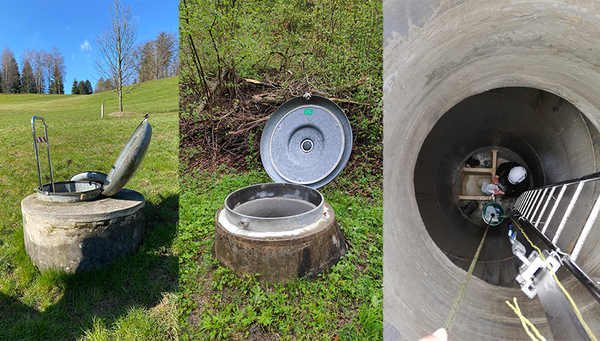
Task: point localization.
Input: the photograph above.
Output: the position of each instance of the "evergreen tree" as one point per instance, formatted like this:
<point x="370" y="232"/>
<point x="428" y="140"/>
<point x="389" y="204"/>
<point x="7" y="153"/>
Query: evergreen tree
<point x="11" y="79"/>
<point x="56" y="71"/>
<point x="75" y="88"/>
<point x="15" y="86"/>
<point x="104" y="85"/>
<point x="81" y="88"/>
<point x="27" y="78"/>
<point x="88" y="87"/>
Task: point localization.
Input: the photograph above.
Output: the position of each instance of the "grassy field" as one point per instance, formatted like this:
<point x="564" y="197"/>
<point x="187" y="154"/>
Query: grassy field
<point x="132" y="299"/>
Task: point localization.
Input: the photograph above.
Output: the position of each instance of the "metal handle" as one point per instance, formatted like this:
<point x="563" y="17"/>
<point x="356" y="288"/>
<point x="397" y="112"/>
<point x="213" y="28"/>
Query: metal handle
<point x="37" y="140"/>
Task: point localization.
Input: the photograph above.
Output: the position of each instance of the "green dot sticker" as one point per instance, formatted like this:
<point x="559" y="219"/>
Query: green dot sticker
<point x="308" y="111"/>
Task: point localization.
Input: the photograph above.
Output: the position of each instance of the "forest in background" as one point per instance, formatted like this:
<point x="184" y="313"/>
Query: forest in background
<point x="44" y="72"/>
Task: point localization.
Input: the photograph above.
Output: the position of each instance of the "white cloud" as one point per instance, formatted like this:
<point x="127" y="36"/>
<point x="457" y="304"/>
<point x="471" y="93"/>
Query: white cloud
<point x="67" y="27"/>
<point x="72" y="55"/>
<point x="86" y="46"/>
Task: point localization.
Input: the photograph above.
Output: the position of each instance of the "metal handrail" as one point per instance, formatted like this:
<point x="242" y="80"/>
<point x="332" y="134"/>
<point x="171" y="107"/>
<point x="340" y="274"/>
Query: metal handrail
<point x="37" y="140"/>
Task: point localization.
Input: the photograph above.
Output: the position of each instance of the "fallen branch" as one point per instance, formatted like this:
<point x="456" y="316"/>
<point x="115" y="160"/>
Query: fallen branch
<point x="254" y="81"/>
<point x="254" y="125"/>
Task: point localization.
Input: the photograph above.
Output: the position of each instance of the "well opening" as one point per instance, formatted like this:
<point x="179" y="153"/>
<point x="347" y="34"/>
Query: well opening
<point x="274" y="207"/>
<point x="539" y="130"/>
<point x="69" y="191"/>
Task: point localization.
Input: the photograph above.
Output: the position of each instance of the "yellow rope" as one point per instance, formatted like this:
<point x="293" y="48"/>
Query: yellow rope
<point x="461" y="293"/>
<point x="525" y="322"/>
<point x="575" y="309"/>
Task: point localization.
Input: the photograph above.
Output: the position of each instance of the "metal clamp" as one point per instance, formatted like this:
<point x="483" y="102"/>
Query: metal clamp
<point x="42" y="139"/>
<point x="531" y="264"/>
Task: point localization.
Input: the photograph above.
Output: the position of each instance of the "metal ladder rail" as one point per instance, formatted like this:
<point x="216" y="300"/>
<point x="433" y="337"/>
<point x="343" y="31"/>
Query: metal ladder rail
<point x="591" y="285"/>
<point x="527" y="207"/>
<point x="529" y="203"/>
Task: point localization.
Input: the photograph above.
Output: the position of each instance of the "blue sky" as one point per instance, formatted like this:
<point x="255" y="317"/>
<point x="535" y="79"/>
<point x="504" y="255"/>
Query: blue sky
<point x="72" y="26"/>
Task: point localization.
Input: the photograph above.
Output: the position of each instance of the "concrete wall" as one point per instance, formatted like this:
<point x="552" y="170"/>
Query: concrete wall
<point x="436" y="54"/>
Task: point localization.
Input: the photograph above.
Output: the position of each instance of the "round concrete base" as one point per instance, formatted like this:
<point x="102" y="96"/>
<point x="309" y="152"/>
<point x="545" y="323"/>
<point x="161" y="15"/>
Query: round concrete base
<point x="280" y="256"/>
<point x="81" y="236"/>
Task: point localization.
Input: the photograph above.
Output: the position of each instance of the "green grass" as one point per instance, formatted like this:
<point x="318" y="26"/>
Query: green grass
<point x="345" y="304"/>
<point x="132" y="299"/>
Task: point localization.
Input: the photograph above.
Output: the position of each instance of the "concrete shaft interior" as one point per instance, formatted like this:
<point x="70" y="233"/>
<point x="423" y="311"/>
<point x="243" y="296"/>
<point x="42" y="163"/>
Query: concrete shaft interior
<point x="463" y="75"/>
<point x="542" y="131"/>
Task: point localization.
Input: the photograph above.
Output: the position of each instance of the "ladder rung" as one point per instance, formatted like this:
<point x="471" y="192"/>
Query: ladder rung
<point x="539" y="203"/>
<point x="525" y="202"/>
<point x="545" y="207"/>
<point x="567" y="213"/>
<point x="530" y="206"/>
<point x="534" y="203"/>
<point x="586" y="230"/>
<point x="558" y="199"/>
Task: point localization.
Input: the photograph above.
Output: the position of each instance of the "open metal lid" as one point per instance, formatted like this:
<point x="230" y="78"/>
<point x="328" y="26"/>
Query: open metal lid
<point x="128" y="160"/>
<point x="306" y="141"/>
<point x="88" y="185"/>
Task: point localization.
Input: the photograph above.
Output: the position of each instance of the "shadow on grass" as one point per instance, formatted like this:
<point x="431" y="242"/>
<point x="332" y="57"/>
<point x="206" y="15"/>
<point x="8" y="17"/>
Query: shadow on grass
<point x="138" y="281"/>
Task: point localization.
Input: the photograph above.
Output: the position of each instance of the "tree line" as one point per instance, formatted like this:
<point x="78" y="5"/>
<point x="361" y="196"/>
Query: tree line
<point x="44" y="72"/>
<point x="153" y="59"/>
<point x="82" y="88"/>
<point x="41" y="72"/>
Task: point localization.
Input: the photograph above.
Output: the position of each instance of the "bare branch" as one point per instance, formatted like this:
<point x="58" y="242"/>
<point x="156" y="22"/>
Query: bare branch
<point x="116" y="49"/>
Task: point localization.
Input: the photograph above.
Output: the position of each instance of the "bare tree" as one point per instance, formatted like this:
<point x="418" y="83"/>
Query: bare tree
<point x="115" y="45"/>
<point x="144" y="61"/>
<point x="39" y="62"/>
<point x="165" y="44"/>
<point x="156" y="59"/>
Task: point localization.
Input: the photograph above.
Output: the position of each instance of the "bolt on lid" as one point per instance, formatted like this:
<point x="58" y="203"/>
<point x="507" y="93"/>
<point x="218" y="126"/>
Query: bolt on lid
<point x="306" y="141"/>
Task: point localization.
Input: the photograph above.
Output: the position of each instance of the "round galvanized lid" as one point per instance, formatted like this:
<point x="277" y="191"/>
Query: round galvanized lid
<point x="307" y="141"/>
<point x="128" y="160"/>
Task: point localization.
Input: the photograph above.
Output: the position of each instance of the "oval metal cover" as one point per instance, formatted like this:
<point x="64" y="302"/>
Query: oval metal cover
<point x="128" y="160"/>
<point x="306" y="142"/>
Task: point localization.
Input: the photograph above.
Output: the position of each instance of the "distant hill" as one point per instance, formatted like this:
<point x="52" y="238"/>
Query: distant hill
<point x="156" y="96"/>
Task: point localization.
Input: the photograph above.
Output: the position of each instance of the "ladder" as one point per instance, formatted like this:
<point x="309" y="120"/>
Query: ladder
<point x="564" y="215"/>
